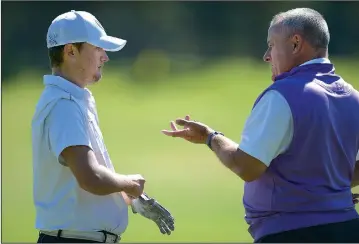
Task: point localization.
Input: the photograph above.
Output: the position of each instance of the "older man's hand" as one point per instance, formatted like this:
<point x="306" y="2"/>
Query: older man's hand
<point x="192" y="131"/>
<point x="153" y="210"/>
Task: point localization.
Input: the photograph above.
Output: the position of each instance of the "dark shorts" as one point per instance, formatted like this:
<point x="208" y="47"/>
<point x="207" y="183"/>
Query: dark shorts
<point x="343" y="232"/>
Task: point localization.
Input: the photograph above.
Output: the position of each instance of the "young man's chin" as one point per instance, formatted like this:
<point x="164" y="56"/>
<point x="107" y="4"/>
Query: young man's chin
<point x="97" y="78"/>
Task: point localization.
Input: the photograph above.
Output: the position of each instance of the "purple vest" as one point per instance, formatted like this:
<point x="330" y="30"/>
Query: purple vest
<point x="309" y="184"/>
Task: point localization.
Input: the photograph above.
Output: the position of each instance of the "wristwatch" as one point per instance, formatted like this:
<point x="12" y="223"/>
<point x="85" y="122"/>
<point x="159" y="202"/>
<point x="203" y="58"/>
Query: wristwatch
<point x="210" y="136"/>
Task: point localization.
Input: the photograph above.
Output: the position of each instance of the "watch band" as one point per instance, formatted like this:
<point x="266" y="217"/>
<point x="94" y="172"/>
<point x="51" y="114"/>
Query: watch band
<point x="210" y="136"/>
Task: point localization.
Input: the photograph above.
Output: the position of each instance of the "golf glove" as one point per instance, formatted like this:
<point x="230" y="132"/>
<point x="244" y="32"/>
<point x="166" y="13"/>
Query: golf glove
<point x="151" y="209"/>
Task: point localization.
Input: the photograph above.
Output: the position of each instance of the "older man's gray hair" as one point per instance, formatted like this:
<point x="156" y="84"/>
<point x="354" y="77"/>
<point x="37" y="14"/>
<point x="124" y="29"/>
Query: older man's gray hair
<point x="307" y="22"/>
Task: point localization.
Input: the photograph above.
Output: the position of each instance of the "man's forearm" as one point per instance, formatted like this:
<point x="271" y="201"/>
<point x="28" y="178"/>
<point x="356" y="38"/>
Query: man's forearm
<point x="226" y="151"/>
<point x="95" y="178"/>
<point x="247" y="167"/>
<point x="355" y="180"/>
<point x="105" y="182"/>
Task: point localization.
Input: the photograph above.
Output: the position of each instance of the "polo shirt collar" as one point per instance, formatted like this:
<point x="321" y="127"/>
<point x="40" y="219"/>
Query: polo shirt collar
<point x="319" y="65"/>
<point x="74" y="90"/>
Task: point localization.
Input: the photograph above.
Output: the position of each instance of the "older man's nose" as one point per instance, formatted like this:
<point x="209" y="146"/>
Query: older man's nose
<point x="266" y="57"/>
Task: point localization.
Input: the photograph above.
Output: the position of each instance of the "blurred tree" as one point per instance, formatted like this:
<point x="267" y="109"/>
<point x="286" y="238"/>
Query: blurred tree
<point x="206" y="30"/>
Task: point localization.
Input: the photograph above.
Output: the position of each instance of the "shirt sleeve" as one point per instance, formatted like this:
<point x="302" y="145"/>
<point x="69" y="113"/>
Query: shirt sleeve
<point x="268" y="130"/>
<point x="67" y="127"/>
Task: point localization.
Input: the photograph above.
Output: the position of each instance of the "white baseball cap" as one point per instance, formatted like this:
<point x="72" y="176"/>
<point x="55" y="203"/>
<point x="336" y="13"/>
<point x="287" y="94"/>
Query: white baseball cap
<point x="81" y="26"/>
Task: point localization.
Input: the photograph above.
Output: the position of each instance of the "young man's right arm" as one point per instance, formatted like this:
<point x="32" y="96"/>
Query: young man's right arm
<point x="69" y="140"/>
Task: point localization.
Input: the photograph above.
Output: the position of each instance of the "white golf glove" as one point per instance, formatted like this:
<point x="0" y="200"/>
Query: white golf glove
<point x="151" y="209"/>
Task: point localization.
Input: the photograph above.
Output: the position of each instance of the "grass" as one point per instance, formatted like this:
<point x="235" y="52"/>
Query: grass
<point x="204" y="197"/>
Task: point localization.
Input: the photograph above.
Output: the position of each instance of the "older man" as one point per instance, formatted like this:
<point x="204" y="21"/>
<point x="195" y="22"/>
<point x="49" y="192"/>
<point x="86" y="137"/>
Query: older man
<point x="300" y="143"/>
<point x="77" y="193"/>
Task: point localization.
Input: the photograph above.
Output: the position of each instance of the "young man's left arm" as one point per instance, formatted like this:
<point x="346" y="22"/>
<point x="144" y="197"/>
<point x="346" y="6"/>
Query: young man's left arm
<point x="267" y="133"/>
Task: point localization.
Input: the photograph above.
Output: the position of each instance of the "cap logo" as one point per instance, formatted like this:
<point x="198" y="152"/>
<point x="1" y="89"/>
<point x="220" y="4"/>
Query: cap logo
<point x="52" y="39"/>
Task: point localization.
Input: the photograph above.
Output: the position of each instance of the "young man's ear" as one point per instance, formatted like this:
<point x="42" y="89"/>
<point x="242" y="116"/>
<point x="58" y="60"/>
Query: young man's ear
<point x="69" y="51"/>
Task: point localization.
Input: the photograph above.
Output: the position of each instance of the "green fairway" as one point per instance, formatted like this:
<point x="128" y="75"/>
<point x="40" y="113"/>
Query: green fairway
<point x="204" y="197"/>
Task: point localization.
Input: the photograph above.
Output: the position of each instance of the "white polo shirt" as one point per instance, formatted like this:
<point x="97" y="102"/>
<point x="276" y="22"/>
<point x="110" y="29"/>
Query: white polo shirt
<point x="268" y="130"/>
<point x="66" y="116"/>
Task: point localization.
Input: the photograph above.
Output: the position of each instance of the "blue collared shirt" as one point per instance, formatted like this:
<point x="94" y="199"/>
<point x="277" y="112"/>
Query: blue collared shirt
<point x="66" y="116"/>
